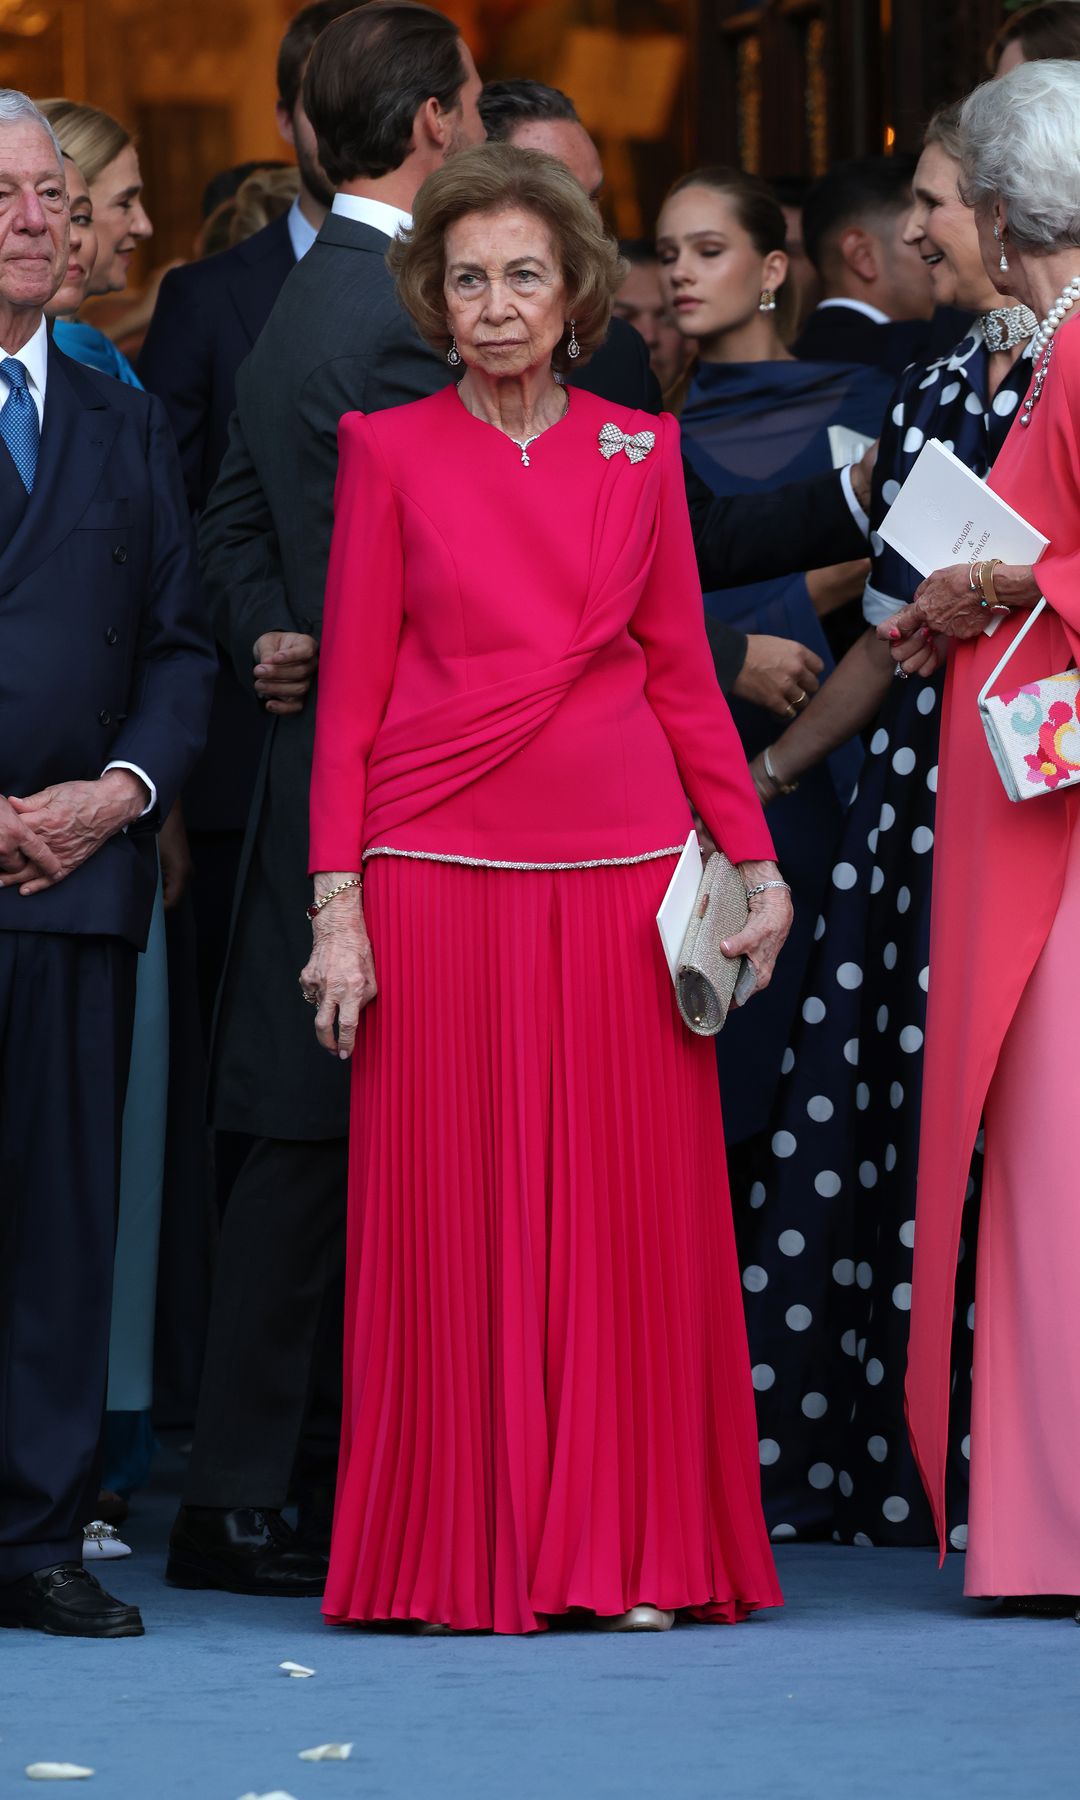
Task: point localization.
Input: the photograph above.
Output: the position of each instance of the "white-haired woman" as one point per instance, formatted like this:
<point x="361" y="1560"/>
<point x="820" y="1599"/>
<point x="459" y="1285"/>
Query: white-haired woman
<point x="1006" y="978"/>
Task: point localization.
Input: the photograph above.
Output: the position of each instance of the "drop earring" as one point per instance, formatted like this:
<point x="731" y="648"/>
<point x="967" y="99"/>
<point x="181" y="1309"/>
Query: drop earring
<point x="767" y="303"/>
<point x="1003" y="261"/>
<point x="453" y="355"/>
<point x="573" y="348"/>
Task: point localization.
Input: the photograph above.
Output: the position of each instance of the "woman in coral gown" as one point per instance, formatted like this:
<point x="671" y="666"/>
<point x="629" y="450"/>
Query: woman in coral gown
<point x="547" y="1393"/>
<point x="1006" y="911"/>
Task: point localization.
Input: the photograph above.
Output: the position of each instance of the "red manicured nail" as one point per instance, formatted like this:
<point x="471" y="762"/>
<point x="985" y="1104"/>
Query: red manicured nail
<point x="895" y="635"/>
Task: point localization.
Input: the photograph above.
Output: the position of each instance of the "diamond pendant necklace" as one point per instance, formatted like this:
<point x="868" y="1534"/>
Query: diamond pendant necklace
<point x="523" y="443"/>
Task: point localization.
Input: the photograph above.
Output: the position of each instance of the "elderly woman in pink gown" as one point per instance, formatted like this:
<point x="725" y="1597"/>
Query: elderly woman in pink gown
<point x="1005" y="987"/>
<point x="547" y="1390"/>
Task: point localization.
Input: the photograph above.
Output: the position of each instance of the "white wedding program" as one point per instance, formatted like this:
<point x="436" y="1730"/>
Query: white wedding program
<point x="944" y="515"/>
<point x="678" y="903"/>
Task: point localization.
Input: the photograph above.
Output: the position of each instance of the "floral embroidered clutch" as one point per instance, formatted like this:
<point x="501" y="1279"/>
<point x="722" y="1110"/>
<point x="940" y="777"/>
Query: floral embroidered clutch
<point x="1033" y="731"/>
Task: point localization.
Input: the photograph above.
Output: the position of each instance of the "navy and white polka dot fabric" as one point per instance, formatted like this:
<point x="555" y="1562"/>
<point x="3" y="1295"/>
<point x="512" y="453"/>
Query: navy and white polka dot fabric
<point x="826" y="1245"/>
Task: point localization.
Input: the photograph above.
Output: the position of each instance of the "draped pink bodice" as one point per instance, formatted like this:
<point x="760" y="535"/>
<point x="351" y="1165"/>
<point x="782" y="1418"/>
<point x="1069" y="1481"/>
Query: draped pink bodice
<point x="514" y="664"/>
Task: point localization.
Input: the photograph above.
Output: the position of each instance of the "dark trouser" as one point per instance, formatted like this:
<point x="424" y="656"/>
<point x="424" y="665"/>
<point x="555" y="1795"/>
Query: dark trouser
<point x="66" y="1011"/>
<point x="274" y="1346"/>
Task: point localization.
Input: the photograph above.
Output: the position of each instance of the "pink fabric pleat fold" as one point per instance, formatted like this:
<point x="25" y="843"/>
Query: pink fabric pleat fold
<point x="548" y="1402"/>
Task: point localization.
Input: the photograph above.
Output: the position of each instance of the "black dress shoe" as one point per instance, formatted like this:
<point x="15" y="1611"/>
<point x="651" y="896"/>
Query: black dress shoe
<point x="241" y="1550"/>
<point x="66" y="1601"/>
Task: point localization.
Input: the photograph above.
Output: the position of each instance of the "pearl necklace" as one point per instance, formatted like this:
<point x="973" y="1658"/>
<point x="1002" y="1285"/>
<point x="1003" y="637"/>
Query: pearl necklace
<point x="1043" y="340"/>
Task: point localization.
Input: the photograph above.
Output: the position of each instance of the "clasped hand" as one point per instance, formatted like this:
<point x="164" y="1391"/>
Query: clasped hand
<point x="44" y="837"/>
<point x="284" y="669"/>
<point x="944" y="606"/>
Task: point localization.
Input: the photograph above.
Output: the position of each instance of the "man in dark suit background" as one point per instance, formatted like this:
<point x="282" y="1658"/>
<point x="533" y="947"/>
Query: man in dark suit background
<point x="391" y="92"/>
<point x="107" y="672"/>
<point x="208" y="316"/>
<point x="876" y="302"/>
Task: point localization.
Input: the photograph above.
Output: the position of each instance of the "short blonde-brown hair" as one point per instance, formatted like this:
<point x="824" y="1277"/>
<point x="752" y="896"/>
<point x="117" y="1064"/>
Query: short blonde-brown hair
<point x="91" y="138"/>
<point x="496" y="178"/>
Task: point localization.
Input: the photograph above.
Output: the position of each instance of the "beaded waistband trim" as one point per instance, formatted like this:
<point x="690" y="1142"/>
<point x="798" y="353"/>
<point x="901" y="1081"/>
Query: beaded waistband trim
<point x="486" y="862"/>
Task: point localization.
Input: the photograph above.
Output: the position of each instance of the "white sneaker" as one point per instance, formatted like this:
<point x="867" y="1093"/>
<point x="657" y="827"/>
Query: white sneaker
<point x="103" y="1543"/>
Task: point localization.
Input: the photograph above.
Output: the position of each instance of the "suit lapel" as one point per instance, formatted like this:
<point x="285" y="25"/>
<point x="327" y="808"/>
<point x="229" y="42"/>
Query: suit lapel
<point x="77" y="435"/>
<point x="13" y="498"/>
<point x="257" y="284"/>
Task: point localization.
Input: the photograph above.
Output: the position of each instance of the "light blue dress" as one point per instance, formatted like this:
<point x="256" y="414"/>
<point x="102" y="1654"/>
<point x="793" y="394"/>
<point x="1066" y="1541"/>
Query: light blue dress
<point x="128" y="1435"/>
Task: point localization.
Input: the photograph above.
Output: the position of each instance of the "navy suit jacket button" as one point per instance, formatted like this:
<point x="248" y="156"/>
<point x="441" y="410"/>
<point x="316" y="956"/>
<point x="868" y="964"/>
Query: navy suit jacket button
<point x="112" y="636"/>
<point x="104" y="718"/>
<point x="119" y="555"/>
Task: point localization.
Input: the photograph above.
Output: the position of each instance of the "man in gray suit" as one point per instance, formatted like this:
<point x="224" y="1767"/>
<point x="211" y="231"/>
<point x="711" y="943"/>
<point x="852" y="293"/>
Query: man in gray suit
<point x="391" y="91"/>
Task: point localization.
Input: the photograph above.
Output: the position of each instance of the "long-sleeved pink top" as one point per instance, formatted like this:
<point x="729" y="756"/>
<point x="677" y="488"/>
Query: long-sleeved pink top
<point x="514" y="667"/>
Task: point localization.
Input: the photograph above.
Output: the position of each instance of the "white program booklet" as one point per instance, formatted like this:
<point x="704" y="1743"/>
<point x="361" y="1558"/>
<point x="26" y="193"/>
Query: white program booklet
<point x="678" y="903"/>
<point x="847" y="446"/>
<point x="944" y="514"/>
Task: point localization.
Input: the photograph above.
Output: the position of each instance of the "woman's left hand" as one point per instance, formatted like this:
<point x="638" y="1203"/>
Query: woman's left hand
<point x="764" y="934"/>
<point x="945" y="602"/>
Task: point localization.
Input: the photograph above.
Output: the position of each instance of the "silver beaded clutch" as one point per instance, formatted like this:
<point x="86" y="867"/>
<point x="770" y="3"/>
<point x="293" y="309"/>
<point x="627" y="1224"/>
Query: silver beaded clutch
<point x="705" y="979"/>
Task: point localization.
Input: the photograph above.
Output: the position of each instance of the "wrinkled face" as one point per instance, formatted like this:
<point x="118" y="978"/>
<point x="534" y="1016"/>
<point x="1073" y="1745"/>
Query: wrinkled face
<point x="640" y="301"/>
<point x="942" y="229"/>
<point x="569" y="143"/>
<point x="711" y="272"/>
<point x="33" y="217"/>
<point x="121" y="221"/>
<point x="82" y="247"/>
<point x="504" y="291"/>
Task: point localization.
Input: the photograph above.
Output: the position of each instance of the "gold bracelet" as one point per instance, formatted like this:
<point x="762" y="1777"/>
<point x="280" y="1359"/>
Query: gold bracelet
<point x="981" y="573"/>
<point x="343" y="887"/>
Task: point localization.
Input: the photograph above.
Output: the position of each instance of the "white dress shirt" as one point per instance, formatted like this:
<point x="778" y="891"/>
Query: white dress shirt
<point x="873" y="313"/>
<point x="302" y="233"/>
<point x="376" y="213"/>
<point x="34" y="357"/>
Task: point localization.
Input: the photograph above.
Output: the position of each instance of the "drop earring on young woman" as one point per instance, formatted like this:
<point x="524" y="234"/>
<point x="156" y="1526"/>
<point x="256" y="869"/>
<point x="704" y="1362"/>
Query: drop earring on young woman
<point x="767" y="303"/>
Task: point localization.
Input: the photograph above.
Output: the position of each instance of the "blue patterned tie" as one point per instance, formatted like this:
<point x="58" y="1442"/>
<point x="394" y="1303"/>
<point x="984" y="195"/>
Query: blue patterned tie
<point x="19" y="422"/>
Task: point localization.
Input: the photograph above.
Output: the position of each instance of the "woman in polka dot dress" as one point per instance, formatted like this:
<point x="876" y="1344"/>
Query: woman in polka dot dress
<point x="827" y="1246"/>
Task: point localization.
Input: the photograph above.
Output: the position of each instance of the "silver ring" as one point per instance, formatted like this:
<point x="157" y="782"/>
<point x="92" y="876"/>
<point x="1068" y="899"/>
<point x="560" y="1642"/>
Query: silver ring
<point x="311" y="998"/>
<point x="899" y="674"/>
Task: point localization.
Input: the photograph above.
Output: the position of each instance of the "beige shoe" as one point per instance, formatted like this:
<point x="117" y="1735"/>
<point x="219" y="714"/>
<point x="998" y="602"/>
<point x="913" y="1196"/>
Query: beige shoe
<point x="639" y="1618"/>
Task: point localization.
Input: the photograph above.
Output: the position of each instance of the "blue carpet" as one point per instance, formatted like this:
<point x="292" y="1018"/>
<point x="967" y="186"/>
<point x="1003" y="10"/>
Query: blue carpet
<point x="877" y="1680"/>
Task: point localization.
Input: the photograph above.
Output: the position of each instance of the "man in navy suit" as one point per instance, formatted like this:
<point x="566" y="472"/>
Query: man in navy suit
<point x="208" y="316"/>
<point x="105" y="678"/>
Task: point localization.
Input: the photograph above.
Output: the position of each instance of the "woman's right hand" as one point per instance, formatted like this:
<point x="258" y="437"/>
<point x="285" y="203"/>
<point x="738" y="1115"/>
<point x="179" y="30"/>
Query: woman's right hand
<point x="339" y="976"/>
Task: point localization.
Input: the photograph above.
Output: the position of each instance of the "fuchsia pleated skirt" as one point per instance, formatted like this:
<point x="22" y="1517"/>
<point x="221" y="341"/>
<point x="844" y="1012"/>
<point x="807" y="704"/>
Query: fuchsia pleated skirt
<point x="548" y="1402"/>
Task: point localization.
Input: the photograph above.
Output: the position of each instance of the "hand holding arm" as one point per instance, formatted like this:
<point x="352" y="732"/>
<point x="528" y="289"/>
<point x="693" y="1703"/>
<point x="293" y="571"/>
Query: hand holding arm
<point x="947" y="603"/>
<point x="778" y="673"/>
<point x="846" y="704"/>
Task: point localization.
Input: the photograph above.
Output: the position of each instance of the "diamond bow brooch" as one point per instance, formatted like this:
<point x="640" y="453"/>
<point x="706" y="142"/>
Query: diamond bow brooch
<point x="637" y="444"/>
